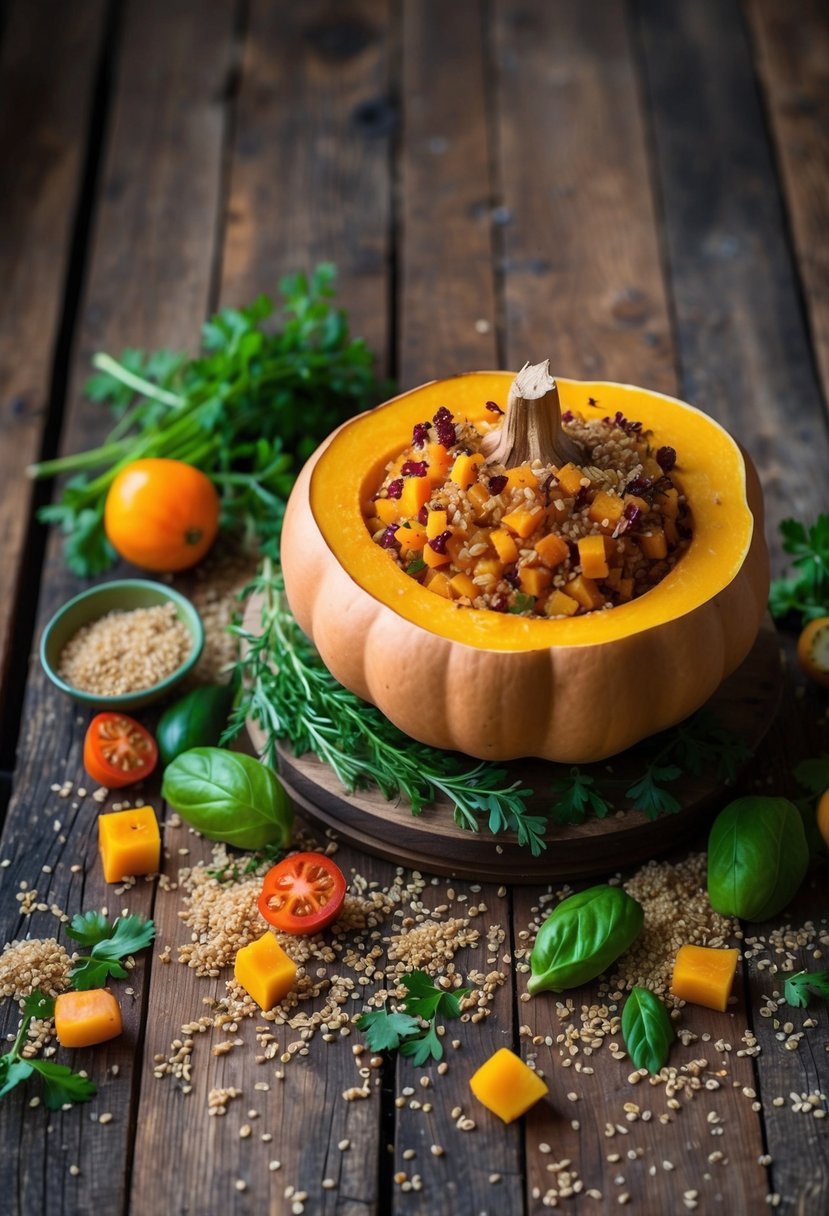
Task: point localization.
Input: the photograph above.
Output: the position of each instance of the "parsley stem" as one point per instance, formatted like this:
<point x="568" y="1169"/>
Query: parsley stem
<point x="106" y="363"/>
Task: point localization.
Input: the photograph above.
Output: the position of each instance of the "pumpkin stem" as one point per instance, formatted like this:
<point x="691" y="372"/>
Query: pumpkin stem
<point x="531" y="429"/>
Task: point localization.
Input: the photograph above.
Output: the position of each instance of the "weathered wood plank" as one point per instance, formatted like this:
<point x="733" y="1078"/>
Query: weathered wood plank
<point x="310" y="171"/>
<point x="46" y="90"/>
<point x="148" y="284"/>
<point x="792" y="49"/>
<point x="742" y="343"/>
<point x="447" y="314"/>
<point x="581" y="258"/>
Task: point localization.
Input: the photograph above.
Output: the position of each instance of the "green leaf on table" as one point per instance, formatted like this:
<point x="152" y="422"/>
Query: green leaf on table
<point x="647" y="1030"/>
<point x="384" y="1030"/>
<point x="813" y="774"/>
<point x="110" y="943"/>
<point x="806" y="593"/>
<point x="13" y="1071"/>
<point x="576" y="796"/>
<point x="38" y="1005"/>
<point x="426" y="1001"/>
<point x="648" y="796"/>
<point x="799" y="988"/>
<point x="424" y="1048"/>
<point x="62" y="1085"/>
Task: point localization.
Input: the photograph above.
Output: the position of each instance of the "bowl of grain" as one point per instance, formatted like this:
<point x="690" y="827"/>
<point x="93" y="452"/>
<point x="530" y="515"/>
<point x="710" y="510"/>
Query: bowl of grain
<point x="122" y="644"/>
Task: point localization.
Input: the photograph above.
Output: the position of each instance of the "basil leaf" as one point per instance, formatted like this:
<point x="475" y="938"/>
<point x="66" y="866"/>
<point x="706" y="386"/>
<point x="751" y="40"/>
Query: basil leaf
<point x="582" y="937"/>
<point x="647" y="1030"/>
<point x="228" y="796"/>
<point x="757" y="857"/>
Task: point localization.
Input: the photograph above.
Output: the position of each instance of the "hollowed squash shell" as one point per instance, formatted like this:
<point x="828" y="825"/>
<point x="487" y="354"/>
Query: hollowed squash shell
<point x="497" y="686"/>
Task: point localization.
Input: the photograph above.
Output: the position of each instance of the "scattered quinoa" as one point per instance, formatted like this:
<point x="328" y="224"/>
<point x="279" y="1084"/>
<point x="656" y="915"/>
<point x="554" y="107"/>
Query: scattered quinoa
<point x="34" y="963"/>
<point x="125" y="652"/>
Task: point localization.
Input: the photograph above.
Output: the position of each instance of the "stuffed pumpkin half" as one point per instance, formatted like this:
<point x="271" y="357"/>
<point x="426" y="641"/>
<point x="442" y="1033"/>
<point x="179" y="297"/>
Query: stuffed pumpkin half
<point x="521" y="566"/>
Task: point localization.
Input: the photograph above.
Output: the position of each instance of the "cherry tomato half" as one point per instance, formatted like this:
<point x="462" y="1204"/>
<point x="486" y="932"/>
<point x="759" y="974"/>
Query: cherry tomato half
<point x="118" y="750"/>
<point x="303" y="893"/>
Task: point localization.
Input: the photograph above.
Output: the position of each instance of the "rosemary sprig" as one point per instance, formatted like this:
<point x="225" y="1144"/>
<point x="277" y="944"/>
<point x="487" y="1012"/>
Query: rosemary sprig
<point x="293" y="697"/>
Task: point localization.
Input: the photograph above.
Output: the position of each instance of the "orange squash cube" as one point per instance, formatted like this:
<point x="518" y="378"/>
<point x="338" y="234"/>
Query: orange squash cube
<point x="129" y="843"/>
<point x="439" y="461"/>
<point x="265" y="971"/>
<point x="506" y="1085"/>
<point x="520" y="478"/>
<point x="523" y="523"/>
<point x="479" y="496"/>
<point x="559" y="604"/>
<point x="570" y="478"/>
<point x="552" y="549"/>
<point x="654" y="544"/>
<point x="704" y="976"/>
<point x="606" y="507"/>
<point x="435" y="523"/>
<point x="490" y="566"/>
<point x="669" y="502"/>
<point x="83" y="1019"/>
<point x="465" y="469"/>
<point x="440" y="584"/>
<point x="388" y="510"/>
<point x="535" y="580"/>
<point x="411" y="536"/>
<point x="585" y="591"/>
<point x="634" y="500"/>
<point x="416" y="493"/>
<point x="504" y="545"/>
<point x="462" y="584"/>
<point x="433" y="559"/>
<point x="593" y="557"/>
<point x="625" y="588"/>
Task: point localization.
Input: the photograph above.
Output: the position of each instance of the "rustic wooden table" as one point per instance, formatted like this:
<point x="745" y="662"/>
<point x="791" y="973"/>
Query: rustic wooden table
<point x="640" y="191"/>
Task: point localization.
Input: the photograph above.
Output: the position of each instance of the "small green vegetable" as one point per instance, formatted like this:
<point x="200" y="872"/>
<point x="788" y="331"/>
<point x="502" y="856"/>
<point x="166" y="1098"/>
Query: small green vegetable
<point x="196" y="720"/>
<point x="229" y="796"/>
<point x="757" y="857"/>
<point x="110" y="944"/>
<point x="799" y="988"/>
<point x="392" y="1031"/>
<point x="582" y="937"/>
<point x="647" y="1030"/>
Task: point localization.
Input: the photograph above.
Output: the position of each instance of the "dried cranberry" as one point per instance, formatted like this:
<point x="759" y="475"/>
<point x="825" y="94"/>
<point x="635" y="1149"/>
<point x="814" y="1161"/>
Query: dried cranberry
<point x="420" y="434"/>
<point x="493" y="408"/>
<point x="666" y="459"/>
<point x="395" y="488"/>
<point x="511" y="576"/>
<point x="497" y="483"/>
<point x="545" y="489"/>
<point x="632" y="514"/>
<point x="422" y="515"/>
<point x="414" y="468"/>
<point x="438" y="543"/>
<point x="445" y="427"/>
<point x="499" y="603"/>
<point x="619" y="420"/>
<point x="568" y="415"/>
<point x="580" y="499"/>
<point x="639" y="485"/>
<point x="443" y="415"/>
<point x="388" y="540"/>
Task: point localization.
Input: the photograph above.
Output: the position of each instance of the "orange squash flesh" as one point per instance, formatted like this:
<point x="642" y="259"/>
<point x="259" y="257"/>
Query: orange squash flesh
<point x="704" y="976"/>
<point x="506" y="1085"/>
<point x="83" y="1019"/>
<point x="543" y="687"/>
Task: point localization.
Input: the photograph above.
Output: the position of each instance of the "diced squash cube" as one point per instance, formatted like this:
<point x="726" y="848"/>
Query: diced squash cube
<point x="129" y="843"/>
<point x="433" y="559"/>
<point x="704" y="976"/>
<point x="375" y="524"/>
<point x="506" y="1085"/>
<point x="535" y="580"/>
<point x="83" y="1019"/>
<point x="625" y="588"/>
<point x="410" y="536"/>
<point x="634" y="500"/>
<point x="552" y="549"/>
<point x="606" y="507"/>
<point x="559" y="604"/>
<point x="671" y="533"/>
<point x="652" y="468"/>
<point x="465" y="469"/>
<point x="435" y="523"/>
<point x="570" y="478"/>
<point x="416" y="493"/>
<point x="388" y="510"/>
<point x="653" y="544"/>
<point x="479" y="496"/>
<point x="440" y="584"/>
<point x="614" y="577"/>
<point x="522" y="522"/>
<point x="520" y="478"/>
<point x="585" y="591"/>
<point x="265" y="971"/>
<point x="462" y="584"/>
<point x="669" y="502"/>
<point x="490" y="566"/>
<point x="593" y="557"/>
<point x="504" y="545"/>
<point x="439" y="461"/>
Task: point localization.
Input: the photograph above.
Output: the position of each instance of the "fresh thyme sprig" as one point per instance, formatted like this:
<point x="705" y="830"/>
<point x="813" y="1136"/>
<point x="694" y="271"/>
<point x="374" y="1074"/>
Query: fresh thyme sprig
<point x="293" y="697"/>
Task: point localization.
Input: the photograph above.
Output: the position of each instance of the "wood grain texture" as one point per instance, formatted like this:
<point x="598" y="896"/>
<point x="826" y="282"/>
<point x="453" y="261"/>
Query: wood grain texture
<point x="311" y="156"/>
<point x="791" y="44"/>
<point x="578" y="232"/>
<point x="742" y="341"/>
<point x="148" y="284"/>
<point x="446" y="276"/>
<point x="46" y="89"/>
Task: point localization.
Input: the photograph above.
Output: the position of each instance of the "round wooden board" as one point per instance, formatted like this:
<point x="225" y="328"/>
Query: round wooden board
<point x="746" y="704"/>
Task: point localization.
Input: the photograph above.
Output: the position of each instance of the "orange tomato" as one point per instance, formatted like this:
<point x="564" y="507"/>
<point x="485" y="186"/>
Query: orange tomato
<point x="161" y="514"/>
<point x="813" y="650"/>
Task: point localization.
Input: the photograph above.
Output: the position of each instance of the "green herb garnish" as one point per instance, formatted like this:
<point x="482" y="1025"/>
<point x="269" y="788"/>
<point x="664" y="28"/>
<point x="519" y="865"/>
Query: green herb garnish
<point x="414" y="1032"/>
<point x="806" y="593"/>
<point x="60" y="1084"/>
<point x="111" y="943"/>
<point x="647" y="1030"/>
<point x="247" y="410"/>
<point x="289" y="691"/>
<point x="799" y="988"/>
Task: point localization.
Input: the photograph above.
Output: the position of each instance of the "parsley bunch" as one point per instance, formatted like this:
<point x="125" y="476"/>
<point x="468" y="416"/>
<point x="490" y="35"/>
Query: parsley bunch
<point x="414" y="1032"/>
<point x="289" y="691"/>
<point x="806" y="593"/>
<point x="799" y="988"/>
<point x="247" y="410"/>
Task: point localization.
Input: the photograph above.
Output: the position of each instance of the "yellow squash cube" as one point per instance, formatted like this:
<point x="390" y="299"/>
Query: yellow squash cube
<point x="704" y="975"/>
<point x="570" y="478"/>
<point x="129" y="843"/>
<point x="593" y="557"/>
<point x="506" y="1086"/>
<point x="522" y="522"/>
<point x="416" y="493"/>
<point x="265" y="971"/>
<point x="83" y="1019"/>
<point x="504" y="545"/>
<point x="465" y="469"/>
<point x="552" y="549"/>
<point x="435" y="523"/>
<point x="559" y="604"/>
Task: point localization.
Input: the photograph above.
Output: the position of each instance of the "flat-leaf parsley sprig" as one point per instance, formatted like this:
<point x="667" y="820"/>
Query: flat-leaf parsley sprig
<point x="292" y="695"/>
<point x="110" y="945"/>
<point x="60" y="1084"/>
<point x="414" y="1031"/>
<point x="806" y="592"/>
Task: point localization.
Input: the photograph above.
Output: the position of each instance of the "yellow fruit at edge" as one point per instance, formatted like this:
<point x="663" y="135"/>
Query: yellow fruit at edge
<point x="823" y="816"/>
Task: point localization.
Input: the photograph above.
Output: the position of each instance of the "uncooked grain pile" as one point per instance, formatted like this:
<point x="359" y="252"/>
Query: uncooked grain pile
<point x="125" y="651"/>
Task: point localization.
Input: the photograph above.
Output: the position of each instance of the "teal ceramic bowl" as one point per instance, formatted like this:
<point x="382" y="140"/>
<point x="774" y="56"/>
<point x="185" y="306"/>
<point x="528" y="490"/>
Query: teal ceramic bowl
<point x="121" y="595"/>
